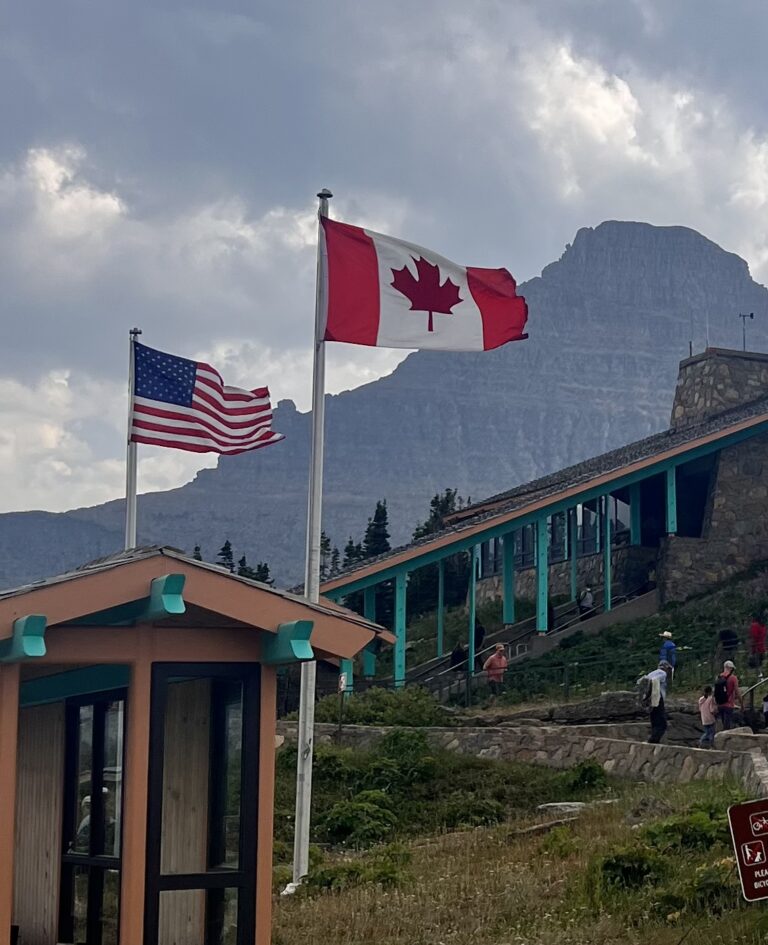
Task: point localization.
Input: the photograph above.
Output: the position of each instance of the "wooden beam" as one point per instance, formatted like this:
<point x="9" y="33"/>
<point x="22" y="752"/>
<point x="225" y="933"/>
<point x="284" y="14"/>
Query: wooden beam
<point x="9" y="725"/>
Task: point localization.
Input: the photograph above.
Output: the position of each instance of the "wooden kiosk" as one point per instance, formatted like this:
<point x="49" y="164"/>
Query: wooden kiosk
<point x="137" y="717"/>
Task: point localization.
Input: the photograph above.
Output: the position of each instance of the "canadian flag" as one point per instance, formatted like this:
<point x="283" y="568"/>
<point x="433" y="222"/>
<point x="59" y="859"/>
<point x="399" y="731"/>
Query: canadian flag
<point x="388" y="293"/>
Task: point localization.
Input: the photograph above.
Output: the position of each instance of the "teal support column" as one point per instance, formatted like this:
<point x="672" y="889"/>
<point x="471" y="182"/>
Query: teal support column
<point x="542" y="574"/>
<point x="598" y="525"/>
<point x="573" y="542"/>
<point x="400" y="584"/>
<point x="369" y="612"/>
<point x="607" y="555"/>
<point x="672" y="501"/>
<point x="635" y="515"/>
<point x="508" y="578"/>
<point x="472" y="594"/>
<point x="347" y="668"/>
<point x="440" y="608"/>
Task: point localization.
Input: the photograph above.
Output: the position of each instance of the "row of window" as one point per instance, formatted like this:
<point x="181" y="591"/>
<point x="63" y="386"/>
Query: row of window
<point x="589" y="531"/>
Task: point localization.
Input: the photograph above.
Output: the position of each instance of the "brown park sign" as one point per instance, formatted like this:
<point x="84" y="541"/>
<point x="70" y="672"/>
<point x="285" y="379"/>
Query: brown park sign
<point x="749" y="831"/>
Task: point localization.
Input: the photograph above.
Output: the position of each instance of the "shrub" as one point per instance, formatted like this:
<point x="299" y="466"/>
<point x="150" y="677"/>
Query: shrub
<point x="366" y="818"/>
<point x="693" y="831"/>
<point x="471" y="811"/>
<point x="385" y="868"/>
<point x="559" y="843"/>
<point x="409" y="707"/>
<point x="712" y="889"/>
<point x="585" y="776"/>
<point x="630" y="868"/>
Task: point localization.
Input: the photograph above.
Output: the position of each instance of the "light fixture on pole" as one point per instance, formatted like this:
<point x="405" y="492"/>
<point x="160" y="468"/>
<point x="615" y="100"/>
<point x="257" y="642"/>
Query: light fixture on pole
<point x="744" y="318"/>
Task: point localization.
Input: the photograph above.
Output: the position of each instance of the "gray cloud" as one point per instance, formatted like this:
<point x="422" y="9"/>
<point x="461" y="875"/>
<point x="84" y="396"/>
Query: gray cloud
<point x="159" y="161"/>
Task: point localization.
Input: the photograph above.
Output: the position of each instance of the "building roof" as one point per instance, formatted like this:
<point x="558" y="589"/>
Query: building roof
<point x="750" y="419"/>
<point x="117" y="579"/>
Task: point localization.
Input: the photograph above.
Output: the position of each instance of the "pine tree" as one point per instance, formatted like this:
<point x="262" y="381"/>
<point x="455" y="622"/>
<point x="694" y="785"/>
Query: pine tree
<point x="325" y="556"/>
<point x="226" y="556"/>
<point x="376" y="539"/>
<point x="244" y="571"/>
<point x="262" y="574"/>
<point x="353" y="553"/>
<point x="335" y="563"/>
<point x="197" y="554"/>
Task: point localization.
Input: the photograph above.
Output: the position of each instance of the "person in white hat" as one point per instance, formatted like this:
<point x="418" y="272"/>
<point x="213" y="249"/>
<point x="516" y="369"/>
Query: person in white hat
<point x="668" y="650"/>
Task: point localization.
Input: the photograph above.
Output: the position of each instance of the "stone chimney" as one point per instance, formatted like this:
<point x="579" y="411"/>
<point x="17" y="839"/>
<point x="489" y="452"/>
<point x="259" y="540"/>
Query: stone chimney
<point x="717" y="380"/>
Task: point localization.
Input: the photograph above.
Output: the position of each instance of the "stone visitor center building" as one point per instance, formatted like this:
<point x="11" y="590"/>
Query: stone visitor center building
<point x="679" y="511"/>
<point x="137" y="749"/>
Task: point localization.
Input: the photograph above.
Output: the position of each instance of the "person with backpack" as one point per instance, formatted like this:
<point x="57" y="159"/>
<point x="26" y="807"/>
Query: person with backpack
<point x="654" y="697"/>
<point x="586" y="603"/>
<point x="727" y="693"/>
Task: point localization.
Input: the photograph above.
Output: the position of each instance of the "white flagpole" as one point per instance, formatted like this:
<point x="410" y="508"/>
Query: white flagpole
<point x="312" y="570"/>
<point x="130" y="459"/>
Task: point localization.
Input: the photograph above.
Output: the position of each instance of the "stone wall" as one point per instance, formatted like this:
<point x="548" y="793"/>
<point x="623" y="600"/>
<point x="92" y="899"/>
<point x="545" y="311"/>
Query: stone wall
<point x="715" y="381"/>
<point x="557" y="747"/>
<point x="735" y="533"/>
<point x="630" y="569"/>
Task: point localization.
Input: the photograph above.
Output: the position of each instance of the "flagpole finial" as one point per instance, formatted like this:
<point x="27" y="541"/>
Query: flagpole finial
<point x="324" y="194"/>
<point x="134" y="333"/>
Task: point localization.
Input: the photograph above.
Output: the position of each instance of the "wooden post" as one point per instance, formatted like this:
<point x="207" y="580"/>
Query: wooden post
<point x="135" y="785"/>
<point x="9" y="726"/>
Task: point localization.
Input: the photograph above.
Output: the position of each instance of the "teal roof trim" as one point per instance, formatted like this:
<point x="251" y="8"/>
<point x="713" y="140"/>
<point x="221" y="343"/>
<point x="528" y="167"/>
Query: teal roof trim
<point x="289" y="645"/>
<point x="27" y="640"/>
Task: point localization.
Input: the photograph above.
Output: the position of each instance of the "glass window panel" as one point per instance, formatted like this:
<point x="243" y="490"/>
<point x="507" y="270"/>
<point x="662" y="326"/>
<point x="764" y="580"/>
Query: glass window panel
<point x="110" y="908"/>
<point x="182" y="917"/>
<point x="222" y="917"/>
<point x="225" y="810"/>
<point x="82" y="815"/>
<point x="113" y="776"/>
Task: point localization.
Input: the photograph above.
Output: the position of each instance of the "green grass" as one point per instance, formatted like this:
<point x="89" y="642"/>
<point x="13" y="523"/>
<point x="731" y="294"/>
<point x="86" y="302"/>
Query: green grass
<point x="652" y="867"/>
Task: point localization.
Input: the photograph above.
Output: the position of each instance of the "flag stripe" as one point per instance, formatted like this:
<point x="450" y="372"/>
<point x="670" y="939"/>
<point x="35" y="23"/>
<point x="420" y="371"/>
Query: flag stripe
<point x="503" y="311"/>
<point x="147" y="408"/>
<point x="185" y="405"/>
<point x="352" y="285"/>
<point x="198" y="445"/>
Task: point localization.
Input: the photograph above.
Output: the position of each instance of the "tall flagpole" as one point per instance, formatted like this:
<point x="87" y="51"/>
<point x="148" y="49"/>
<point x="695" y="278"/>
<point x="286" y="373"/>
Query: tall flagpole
<point x="130" y="459"/>
<point x="312" y="570"/>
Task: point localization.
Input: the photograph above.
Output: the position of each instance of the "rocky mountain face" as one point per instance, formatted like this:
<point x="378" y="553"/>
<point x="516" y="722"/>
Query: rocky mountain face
<point x="609" y="322"/>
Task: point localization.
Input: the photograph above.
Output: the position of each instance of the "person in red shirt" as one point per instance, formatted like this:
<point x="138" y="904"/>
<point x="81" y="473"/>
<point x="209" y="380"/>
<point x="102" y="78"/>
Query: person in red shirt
<point x="495" y="666"/>
<point x="727" y="694"/>
<point x="757" y="634"/>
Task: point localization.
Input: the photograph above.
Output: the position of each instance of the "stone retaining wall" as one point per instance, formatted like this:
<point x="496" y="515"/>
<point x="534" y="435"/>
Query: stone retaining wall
<point x="562" y="747"/>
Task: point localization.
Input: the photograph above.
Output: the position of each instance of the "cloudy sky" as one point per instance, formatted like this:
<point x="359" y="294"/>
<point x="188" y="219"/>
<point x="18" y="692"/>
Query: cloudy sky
<point x="159" y="160"/>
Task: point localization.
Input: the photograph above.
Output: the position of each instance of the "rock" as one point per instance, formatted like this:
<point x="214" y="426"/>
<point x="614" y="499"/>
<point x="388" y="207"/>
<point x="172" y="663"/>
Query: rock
<point x="564" y="807"/>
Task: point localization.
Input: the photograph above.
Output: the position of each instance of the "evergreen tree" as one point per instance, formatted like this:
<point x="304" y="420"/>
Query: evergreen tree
<point x="335" y="563"/>
<point x="262" y="573"/>
<point x="244" y="571"/>
<point x="325" y="556"/>
<point x="353" y="553"/>
<point x="376" y="539"/>
<point x="423" y="584"/>
<point x="226" y="556"/>
<point x="197" y="554"/>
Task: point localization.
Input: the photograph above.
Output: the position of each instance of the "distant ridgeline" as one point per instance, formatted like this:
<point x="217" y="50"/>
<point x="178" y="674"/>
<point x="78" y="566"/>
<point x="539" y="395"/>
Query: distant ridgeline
<point x="609" y="322"/>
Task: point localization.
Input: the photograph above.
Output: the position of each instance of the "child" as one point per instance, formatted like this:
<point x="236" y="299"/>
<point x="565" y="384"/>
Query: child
<point x="707" y="710"/>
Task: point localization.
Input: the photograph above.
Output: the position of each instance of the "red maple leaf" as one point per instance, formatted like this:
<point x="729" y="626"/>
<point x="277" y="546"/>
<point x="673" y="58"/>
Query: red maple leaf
<point x="425" y="293"/>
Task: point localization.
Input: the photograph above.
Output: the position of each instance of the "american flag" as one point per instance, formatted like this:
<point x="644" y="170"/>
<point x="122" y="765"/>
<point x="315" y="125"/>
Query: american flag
<point x="185" y="405"/>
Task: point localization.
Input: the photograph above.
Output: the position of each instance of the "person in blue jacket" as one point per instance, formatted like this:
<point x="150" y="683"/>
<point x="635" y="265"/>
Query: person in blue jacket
<point x="668" y="649"/>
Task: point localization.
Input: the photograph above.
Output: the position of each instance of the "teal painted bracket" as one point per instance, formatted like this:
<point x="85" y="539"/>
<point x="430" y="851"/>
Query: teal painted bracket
<point x="27" y="641"/>
<point x="165" y="600"/>
<point x="289" y="645"/>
